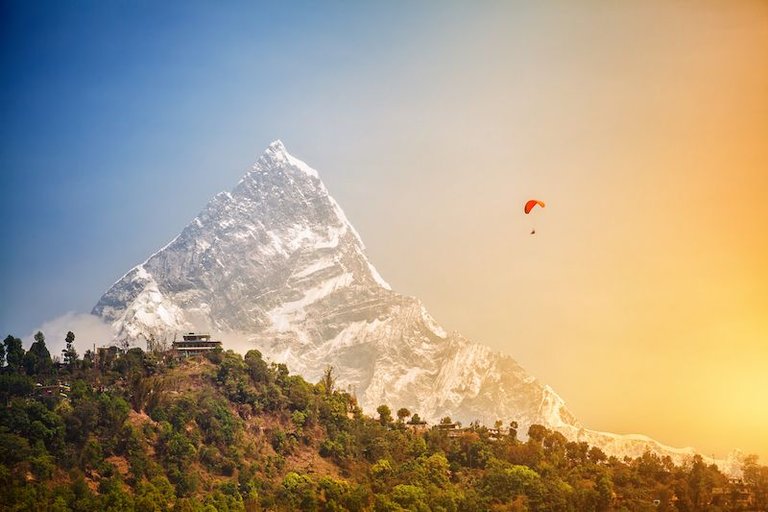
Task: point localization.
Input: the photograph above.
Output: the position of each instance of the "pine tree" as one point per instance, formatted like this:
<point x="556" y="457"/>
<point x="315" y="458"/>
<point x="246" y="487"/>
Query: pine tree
<point x="38" y="360"/>
<point x="328" y="380"/>
<point x="69" y="354"/>
<point x="14" y="352"/>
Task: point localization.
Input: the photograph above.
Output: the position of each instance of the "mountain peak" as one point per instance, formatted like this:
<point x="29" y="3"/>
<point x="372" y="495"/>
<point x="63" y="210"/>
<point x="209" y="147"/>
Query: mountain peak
<point x="276" y="156"/>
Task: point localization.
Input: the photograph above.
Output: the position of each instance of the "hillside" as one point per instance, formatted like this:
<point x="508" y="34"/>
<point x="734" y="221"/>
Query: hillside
<point x="151" y="431"/>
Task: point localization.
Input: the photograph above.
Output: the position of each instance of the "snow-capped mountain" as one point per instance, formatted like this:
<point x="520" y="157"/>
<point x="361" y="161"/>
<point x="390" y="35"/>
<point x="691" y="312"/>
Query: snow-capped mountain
<point x="276" y="263"/>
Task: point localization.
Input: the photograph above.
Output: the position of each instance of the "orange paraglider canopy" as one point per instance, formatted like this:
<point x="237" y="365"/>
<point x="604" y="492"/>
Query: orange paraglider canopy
<point x="530" y="204"/>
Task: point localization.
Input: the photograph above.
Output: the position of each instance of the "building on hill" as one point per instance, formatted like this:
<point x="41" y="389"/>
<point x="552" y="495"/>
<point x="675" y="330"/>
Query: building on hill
<point x="453" y="429"/>
<point x="417" y="427"/>
<point x="735" y="496"/>
<point x="497" y="433"/>
<point x="194" y="344"/>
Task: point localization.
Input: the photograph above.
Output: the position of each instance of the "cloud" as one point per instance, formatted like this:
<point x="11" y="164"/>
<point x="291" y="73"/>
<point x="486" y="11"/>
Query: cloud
<point x="89" y="330"/>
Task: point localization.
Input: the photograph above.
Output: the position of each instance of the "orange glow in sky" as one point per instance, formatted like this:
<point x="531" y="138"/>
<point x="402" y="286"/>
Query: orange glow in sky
<point x="643" y="297"/>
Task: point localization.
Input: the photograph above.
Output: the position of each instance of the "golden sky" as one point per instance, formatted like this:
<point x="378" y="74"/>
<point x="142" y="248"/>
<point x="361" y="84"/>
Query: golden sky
<point x="643" y="297"/>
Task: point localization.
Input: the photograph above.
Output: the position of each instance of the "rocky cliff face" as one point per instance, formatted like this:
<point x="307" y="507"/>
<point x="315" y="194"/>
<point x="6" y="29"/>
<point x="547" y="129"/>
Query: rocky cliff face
<point x="276" y="263"/>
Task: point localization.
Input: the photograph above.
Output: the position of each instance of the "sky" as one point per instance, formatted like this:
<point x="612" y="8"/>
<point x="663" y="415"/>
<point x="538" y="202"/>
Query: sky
<point x="643" y="297"/>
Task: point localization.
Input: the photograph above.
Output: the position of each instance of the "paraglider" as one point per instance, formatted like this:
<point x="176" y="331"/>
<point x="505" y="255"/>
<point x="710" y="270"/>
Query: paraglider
<point x="529" y="205"/>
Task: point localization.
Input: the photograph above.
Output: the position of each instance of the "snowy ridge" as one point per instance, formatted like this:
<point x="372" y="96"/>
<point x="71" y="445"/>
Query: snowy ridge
<point x="277" y="155"/>
<point x="275" y="262"/>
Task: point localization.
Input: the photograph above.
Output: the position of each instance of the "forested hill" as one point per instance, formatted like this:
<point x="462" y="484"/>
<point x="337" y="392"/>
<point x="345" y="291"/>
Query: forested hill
<point x="149" y="431"/>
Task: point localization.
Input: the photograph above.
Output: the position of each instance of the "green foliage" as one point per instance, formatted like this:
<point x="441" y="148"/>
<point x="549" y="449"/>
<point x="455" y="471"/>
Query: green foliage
<point x="332" y="411"/>
<point x="299" y="419"/>
<point x="382" y="469"/>
<point x="503" y="481"/>
<point x="155" y="495"/>
<point x="33" y="421"/>
<point x="14" y="352"/>
<point x="328" y="381"/>
<point x="225" y="499"/>
<point x="298" y="492"/>
<point x="37" y="360"/>
<point x="756" y="479"/>
<point x="281" y="442"/>
<point x="83" y="419"/>
<point x="14" y="385"/>
<point x="240" y="434"/>
<point x="147" y="392"/>
<point x="436" y="469"/>
<point x="536" y="434"/>
<point x="299" y="393"/>
<point x="175" y="447"/>
<point x="218" y="425"/>
<point x="409" y="497"/>
<point x="114" y="497"/>
<point x="68" y="353"/>
<point x="385" y="414"/>
<point x="258" y="369"/>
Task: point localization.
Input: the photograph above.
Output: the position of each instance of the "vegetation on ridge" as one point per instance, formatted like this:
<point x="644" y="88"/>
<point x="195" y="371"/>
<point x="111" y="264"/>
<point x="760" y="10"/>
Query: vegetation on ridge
<point x="149" y="431"/>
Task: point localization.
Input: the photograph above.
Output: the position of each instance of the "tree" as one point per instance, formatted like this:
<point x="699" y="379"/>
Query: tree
<point x="402" y="413"/>
<point x="38" y="360"/>
<point x="536" y="433"/>
<point x="513" y="430"/>
<point x="437" y="469"/>
<point x="328" y="381"/>
<point x="701" y="480"/>
<point x="503" y="481"/>
<point x="410" y="497"/>
<point x="88" y="359"/>
<point x="157" y="494"/>
<point x="14" y="384"/>
<point x="596" y="455"/>
<point x="257" y="367"/>
<point x="2" y="355"/>
<point x="756" y="478"/>
<point x="14" y="352"/>
<point x="69" y="354"/>
<point x="385" y="414"/>
<point x="604" y="493"/>
<point x="298" y="491"/>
